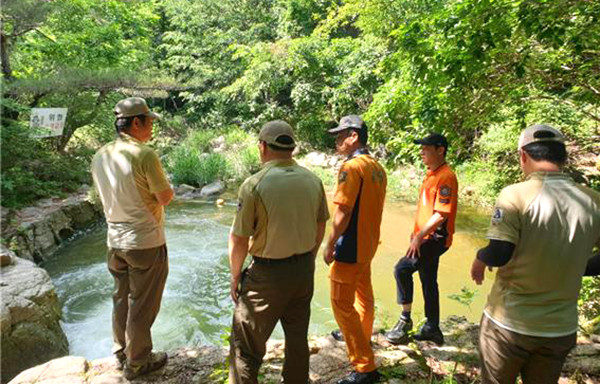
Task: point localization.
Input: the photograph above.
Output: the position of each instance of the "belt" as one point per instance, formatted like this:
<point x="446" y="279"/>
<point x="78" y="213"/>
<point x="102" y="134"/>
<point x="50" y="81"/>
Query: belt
<point x="291" y="259"/>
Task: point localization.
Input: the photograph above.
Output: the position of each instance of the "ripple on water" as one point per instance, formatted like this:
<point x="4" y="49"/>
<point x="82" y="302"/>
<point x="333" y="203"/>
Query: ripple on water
<point x="196" y="308"/>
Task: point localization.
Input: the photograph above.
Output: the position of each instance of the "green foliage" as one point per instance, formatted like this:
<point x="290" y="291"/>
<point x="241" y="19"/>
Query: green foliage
<point x="31" y="170"/>
<point x="589" y="298"/>
<point x="189" y="166"/>
<point x="393" y="372"/>
<point x="465" y="297"/>
<point x="193" y="161"/>
<point x="477" y="71"/>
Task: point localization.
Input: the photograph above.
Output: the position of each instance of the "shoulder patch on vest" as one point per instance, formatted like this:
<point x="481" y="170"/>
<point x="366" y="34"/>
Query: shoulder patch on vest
<point x="497" y="216"/>
<point x="445" y="191"/>
<point x="343" y="176"/>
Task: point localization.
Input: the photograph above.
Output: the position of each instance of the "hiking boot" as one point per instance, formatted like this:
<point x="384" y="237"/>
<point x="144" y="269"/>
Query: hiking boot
<point x="155" y="361"/>
<point x="399" y="334"/>
<point x="337" y="334"/>
<point x="121" y="360"/>
<point x="430" y="333"/>
<point x="361" y="378"/>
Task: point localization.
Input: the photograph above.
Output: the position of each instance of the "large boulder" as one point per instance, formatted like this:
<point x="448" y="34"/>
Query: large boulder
<point x="29" y="318"/>
<point x="213" y="189"/>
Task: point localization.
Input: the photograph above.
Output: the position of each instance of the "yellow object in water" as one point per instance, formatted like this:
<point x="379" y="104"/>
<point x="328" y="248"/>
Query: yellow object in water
<point x="220" y="202"/>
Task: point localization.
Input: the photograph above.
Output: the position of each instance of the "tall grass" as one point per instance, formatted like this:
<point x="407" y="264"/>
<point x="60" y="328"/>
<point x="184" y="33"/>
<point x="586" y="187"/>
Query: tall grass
<point x="195" y="163"/>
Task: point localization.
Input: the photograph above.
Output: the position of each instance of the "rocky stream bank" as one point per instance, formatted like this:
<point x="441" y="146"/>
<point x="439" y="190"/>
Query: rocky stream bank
<point x="420" y="362"/>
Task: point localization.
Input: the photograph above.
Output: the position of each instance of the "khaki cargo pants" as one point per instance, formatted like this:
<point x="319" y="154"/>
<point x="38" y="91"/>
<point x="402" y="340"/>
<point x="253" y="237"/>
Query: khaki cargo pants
<point x="271" y="293"/>
<point x="504" y="354"/>
<point x="140" y="277"/>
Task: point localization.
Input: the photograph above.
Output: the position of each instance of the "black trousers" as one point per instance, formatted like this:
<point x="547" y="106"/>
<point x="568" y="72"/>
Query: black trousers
<point x="427" y="265"/>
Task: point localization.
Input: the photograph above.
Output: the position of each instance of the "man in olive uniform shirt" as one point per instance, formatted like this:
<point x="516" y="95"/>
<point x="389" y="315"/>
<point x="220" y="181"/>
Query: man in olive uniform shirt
<point x="541" y="237"/>
<point x="280" y="221"/>
<point x="133" y="189"/>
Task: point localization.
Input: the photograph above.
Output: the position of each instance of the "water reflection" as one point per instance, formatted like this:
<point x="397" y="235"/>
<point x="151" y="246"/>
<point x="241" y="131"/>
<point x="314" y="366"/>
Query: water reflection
<point x="196" y="308"/>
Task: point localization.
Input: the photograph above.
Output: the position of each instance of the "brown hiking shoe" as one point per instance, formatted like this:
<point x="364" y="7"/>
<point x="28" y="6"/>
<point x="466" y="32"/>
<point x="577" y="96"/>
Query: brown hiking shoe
<point x="155" y="361"/>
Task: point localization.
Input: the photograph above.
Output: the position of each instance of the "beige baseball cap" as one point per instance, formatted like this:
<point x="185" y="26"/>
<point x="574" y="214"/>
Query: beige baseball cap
<point x="278" y="133"/>
<point x="134" y="106"/>
<point x="540" y="133"/>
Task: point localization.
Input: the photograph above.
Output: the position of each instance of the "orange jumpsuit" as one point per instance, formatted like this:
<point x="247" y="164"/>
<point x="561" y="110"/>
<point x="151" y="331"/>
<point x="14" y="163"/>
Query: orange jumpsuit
<point x="361" y="186"/>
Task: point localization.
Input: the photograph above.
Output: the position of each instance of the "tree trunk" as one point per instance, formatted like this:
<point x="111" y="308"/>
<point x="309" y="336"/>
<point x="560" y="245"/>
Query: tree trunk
<point x="72" y="125"/>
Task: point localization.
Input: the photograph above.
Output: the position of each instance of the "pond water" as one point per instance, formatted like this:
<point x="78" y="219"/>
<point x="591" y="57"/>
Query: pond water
<point x="196" y="307"/>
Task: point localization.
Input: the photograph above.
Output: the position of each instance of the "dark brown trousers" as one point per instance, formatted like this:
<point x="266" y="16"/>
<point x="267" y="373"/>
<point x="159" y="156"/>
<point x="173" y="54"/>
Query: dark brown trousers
<point x="140" y="277"/>
<point x="505" y="354"/>
<point x="271" y="293"/>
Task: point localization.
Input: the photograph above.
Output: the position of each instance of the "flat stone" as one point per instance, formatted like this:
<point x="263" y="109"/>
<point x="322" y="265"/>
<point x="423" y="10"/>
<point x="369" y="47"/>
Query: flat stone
<point x="69" y="369"/>
<point x="182" y="189"/>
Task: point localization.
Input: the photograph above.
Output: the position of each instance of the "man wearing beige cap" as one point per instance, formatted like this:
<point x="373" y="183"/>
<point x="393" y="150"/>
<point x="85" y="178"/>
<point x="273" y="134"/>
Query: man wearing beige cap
<point x="542" y="233"/>
<point x="133" y="188"/>
<point x="280" y="222"/>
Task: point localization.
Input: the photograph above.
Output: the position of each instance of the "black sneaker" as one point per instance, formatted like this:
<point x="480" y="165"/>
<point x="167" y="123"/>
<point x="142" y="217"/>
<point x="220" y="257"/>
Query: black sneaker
<point x="430" y="333"/>
<point x="399" y="334"/>
<point x="155" y="361"/>
<point x="361" y="378"/>
<point x="337" y="334"/>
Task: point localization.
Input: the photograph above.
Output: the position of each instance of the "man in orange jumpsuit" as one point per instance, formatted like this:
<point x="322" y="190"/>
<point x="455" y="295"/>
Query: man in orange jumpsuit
<point x="354" y="238"/>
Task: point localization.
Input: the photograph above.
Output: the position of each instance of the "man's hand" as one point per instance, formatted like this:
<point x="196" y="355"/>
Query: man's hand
<point x="414" y="250"/>
<point x="329" y="254"/>
<point x="235" y="282"/>
<point x="478" y="271"/>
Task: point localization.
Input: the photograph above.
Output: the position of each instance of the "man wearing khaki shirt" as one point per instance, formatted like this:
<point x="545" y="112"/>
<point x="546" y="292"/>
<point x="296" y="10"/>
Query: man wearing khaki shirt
<point x="280" y="221"/>
<point x="133" y="189"/>
<point x="541" y="237"/>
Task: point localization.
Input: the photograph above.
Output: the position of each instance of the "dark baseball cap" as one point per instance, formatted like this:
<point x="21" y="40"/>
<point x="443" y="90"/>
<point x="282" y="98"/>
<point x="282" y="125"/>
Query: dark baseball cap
<point x="433" y="138"/>
<point x="349" y="122"/>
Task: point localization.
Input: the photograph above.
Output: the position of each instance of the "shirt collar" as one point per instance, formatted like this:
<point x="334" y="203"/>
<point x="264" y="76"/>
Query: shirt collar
<point x="547" y="175"/>
<point x="431" y="172"/>
<point x="358" y="152"/>
<point x="279" y="163"/>
<point x="127" y="137"/>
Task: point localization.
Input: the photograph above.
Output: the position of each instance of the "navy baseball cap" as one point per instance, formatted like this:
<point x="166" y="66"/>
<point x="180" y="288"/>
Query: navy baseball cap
<point x="435" y="139"/>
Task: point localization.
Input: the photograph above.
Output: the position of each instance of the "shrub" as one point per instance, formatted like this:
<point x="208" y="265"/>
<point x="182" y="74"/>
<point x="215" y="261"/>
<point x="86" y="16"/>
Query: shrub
<point x="32" y="170"/>
<point x="189" y="166"/>
<point x="243" y="163"/>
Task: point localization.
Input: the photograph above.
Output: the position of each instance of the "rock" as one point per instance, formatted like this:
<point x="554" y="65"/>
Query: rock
<point x="218" y="144"/>
<point x="81" y="214"/>
<point x="213" y="189"/>
<point x="414" y="363"/>
<point x="69" y="369"/>
<point x="183" y="189"/>
<point x="31" y="333"/>
<point x="316" y="159"/>
<point x="35" y="232"/>
<point x="7" y="257"/>
<point x="469" y="190"/>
